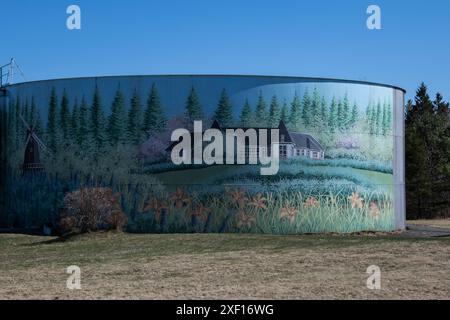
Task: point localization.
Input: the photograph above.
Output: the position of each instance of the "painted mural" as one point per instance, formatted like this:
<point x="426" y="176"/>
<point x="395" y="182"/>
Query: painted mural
<point x="335" y="172"/>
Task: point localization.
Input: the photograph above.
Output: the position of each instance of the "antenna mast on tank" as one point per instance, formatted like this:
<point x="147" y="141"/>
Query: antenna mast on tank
<point x="7" y="72"/>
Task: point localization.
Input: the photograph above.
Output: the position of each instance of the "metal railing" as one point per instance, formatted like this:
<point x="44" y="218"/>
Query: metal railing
<point x="7" y="71"/>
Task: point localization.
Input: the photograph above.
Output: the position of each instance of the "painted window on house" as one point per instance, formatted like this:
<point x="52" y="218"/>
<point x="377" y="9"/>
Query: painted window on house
<point x="283" y="151"/>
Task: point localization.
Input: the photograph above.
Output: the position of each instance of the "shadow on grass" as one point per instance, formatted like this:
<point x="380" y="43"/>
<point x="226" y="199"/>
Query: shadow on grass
<point x="61" y="239"/>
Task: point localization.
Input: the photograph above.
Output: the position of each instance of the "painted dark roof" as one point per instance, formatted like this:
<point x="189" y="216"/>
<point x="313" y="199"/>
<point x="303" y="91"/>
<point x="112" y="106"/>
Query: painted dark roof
<point x="305" y="141"/>
<point x="283" y="131"/>
<point x="216" y="125"/>
<point x="301" y="140"/>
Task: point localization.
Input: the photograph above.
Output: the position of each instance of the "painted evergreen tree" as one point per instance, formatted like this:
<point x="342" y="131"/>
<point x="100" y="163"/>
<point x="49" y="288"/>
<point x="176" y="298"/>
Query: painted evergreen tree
<point x="345" y="116"/>
<point x="383" y="126"/>
<point x="52" y="128"/>
<point x="354" y="115"/>
<point x="387" y="119"/>
<point x="369" y="111"/>
<point x="324" y="111"/>
<point x="20" y="132"/>
<point x="26" y="112"/>
<point x="97" y="122"/>
<point x="32" y="115"/>
<point x="193" y="108"/>
<point x="314" y="109"/>
<point x="308" y="111"/>
<point x="83" y="124"/>
<point x="39" y="127"/>
<point x="333" y="116"/>
<point x="154" y="119"/>
<point x="4" y="148"/>
<point x="378" y="119"/>
<point x="369" y="117"/>
<point x="117" y="126"/>
<point x="134" y="131"/>
<point x="246" y="117"/>
<point x="274" y="113"/>
<point x="261" y="115"/>
<point x="295" y="118"/>
<point x="320" y="115"/>
<point x="224" y="111"/>
<point x="64" y="118"/>
<point x="340" y="115"/>
<point x="12" y="126"/>
<point x="35" y="118"/>
<point x="373" y="120"/>
<point x="74" y="122"/>
<point x="374" y="128"/>
<point x="285" y="113"/>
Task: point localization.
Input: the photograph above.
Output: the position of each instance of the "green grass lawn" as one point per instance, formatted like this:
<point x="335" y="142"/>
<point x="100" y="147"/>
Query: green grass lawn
<point x="201" y="176"/>
<point x="385" y="180"/>
<point x="229" y="266"/>
<point x="208" y="175"/>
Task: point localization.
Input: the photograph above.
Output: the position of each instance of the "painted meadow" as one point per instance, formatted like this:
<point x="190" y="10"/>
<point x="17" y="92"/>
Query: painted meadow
<point x="107" y="166"/>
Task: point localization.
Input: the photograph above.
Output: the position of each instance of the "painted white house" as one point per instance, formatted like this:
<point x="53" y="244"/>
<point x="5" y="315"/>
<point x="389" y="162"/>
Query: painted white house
<point x="291" y="144"/>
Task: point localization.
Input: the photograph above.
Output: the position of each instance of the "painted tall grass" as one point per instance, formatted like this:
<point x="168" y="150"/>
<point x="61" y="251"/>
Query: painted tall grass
<point x="271" y="213"/>
<point x="302" y="198"/>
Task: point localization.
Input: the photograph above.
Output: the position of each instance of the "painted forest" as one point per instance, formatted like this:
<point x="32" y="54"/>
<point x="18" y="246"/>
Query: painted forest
<point x="121" y="147"/>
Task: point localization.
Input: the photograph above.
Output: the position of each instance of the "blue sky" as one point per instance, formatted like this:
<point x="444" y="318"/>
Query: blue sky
<point x="320" y="38"/>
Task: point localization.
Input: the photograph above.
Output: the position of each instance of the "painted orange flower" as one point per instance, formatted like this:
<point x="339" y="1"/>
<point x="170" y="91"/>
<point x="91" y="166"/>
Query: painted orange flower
<point x="153" y="204"/>
<point x="356" y="200"/>
<point x="311" y="202"/>
<point x="374" y="210"/>
<point x="180" y="199"/>
<point x="201" y="211"/>
<point x="239" y="197"/>
<point x="259" y="202"/>
<point x="244" y="220"/>
<point x="156" y="206"/>
<point x="289" y="213"/>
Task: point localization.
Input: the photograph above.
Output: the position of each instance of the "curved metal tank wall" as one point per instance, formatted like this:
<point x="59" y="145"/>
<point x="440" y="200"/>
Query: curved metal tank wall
<point x="358" y="126"/>
<point x="4" y="102"/>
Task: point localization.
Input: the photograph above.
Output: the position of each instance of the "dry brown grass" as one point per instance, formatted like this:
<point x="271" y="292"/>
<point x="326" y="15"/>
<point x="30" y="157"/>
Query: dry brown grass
<point x="125" y="266"/>
<point x="438" y="223"/>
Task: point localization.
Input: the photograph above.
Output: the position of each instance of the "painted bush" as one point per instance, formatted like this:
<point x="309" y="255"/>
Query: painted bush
<point x="115" y="132"/>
